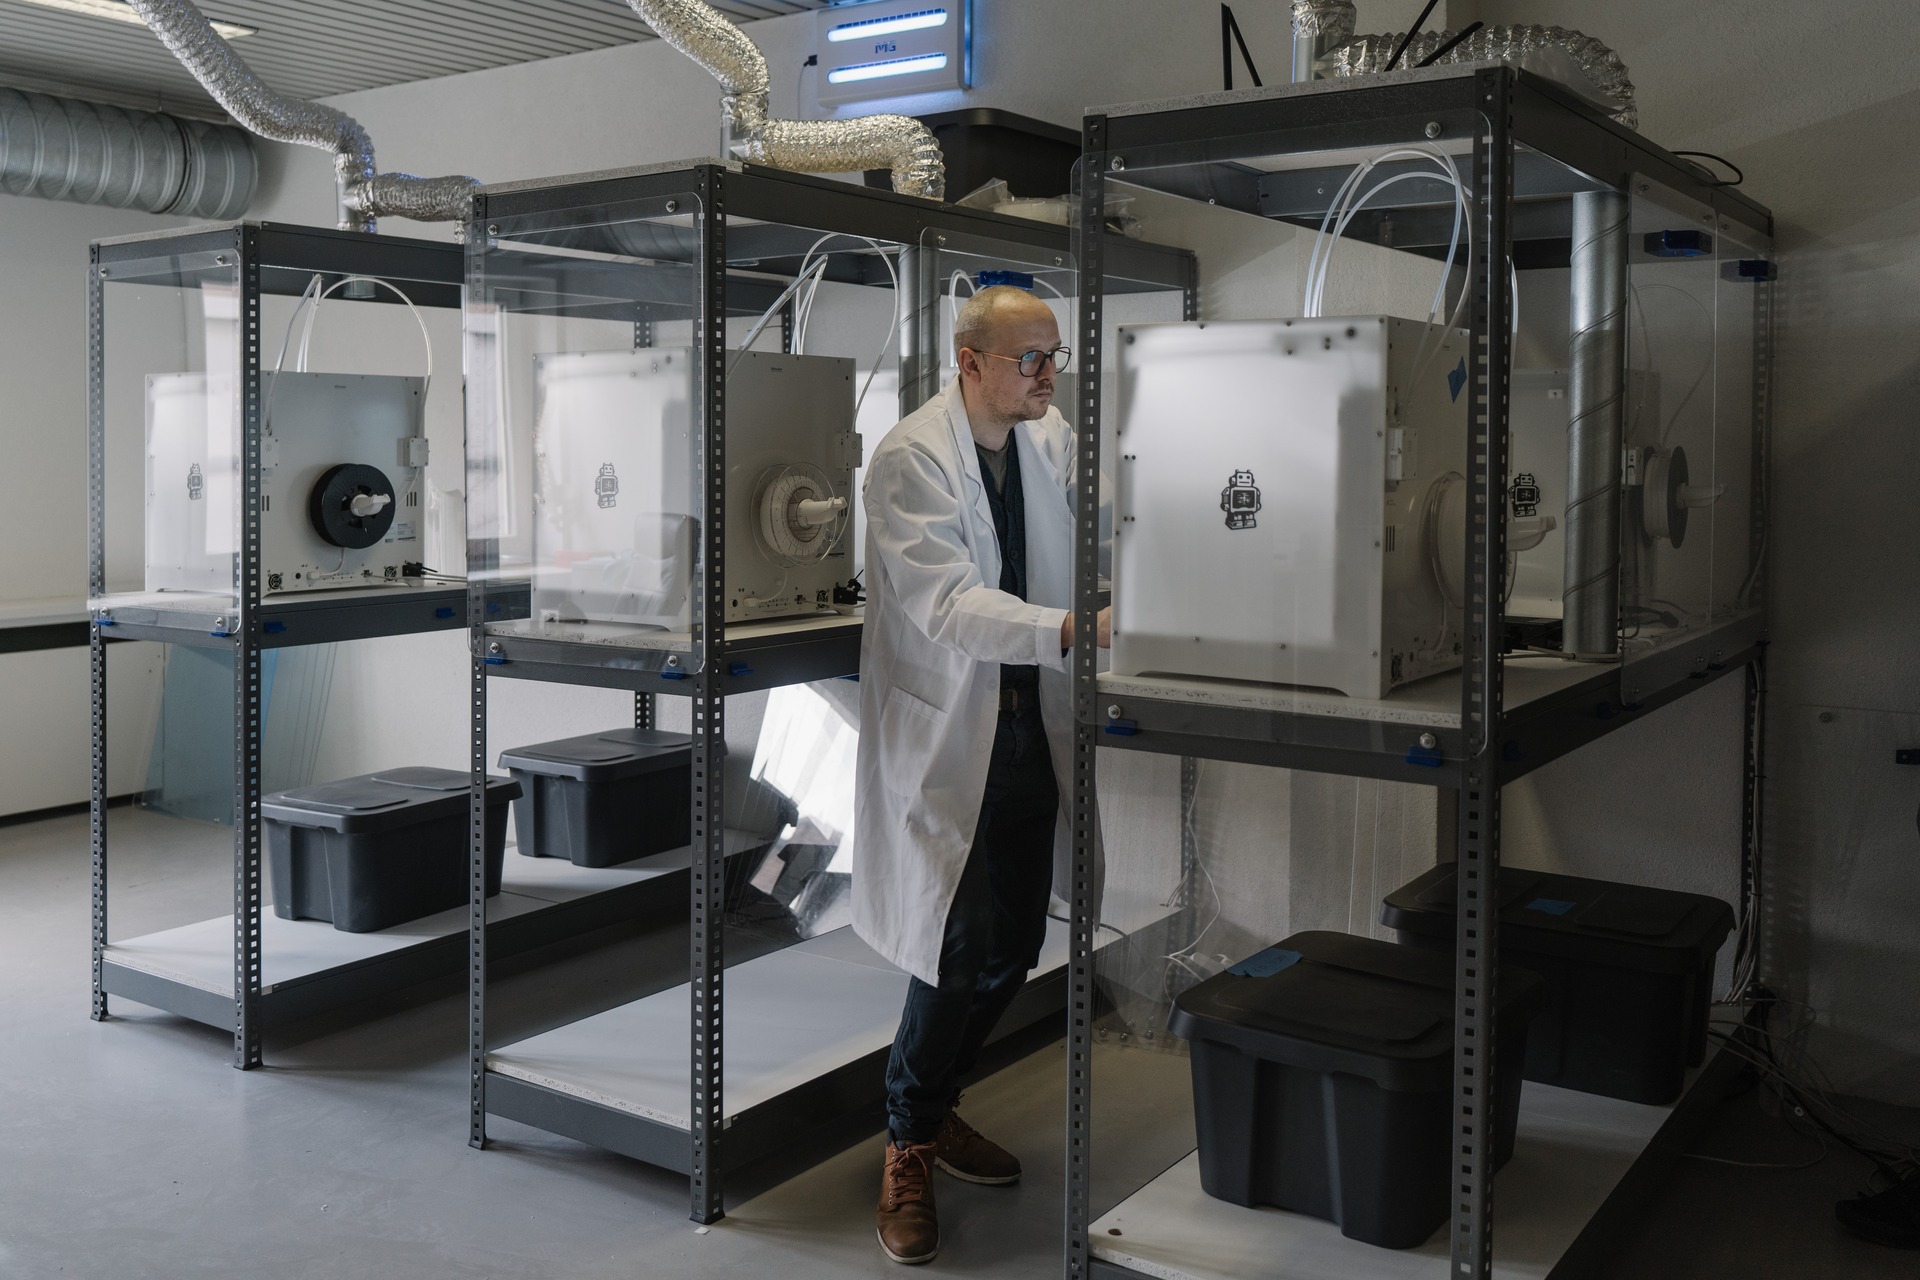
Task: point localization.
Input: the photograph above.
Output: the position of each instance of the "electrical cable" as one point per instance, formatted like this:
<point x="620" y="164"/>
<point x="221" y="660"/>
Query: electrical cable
<point x="1738" y="175"/>
<point x="893" y="327"/>
<point x="1345" y="206"/>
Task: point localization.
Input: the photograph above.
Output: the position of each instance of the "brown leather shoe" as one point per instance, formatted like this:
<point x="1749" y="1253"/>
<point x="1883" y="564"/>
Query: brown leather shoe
<point x="962" y="1152"/>
<point x="905" y="1222"/>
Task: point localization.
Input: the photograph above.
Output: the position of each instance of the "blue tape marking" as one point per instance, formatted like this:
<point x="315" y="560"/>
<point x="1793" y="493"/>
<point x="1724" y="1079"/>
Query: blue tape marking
<point x="1123" y="728"/>
<point x="673" y="675"/>
<point x="1551" y="906"/>
<point x="739" y="669"/>
<point x="1458" y="378"/>
<point x="1427" y="757"/>
<point x="444" y="611"/>
<point x="495" y="662"/>
<point x="103" y="622"/>
<point x="1264" y="964"/>
<point x="274" y="628"/>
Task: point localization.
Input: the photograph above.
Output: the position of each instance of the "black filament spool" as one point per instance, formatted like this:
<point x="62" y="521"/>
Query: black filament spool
<point x="330" y="505"/>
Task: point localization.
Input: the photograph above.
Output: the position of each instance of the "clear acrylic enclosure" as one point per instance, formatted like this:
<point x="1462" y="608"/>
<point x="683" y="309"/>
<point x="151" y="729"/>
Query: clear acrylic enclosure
<point x="1294" y="493"/>
<point x="167" y="412"/>
<point x="316" y="350"/>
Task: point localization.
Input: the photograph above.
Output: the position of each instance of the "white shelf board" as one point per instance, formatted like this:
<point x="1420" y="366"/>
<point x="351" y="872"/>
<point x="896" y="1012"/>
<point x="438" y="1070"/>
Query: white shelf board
<point x="201" y="954"/>
<point x="1430" y="703"/>
<point x="791" y="1017"/>
<point x="653" y="639"/>
<point x="1571" y="1151"/>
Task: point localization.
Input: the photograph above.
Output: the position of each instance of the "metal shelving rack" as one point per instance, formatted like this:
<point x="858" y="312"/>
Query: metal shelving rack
<point x="742" y="234"/>
<point x="1518" y="130"/>
<point x="249" y="260"/>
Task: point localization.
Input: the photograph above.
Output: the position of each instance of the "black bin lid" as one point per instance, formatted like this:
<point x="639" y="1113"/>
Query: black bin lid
<point x="1333" y="1002"/>
<point x="381" y="801"/>
<point x="1595" y="921"/>
<point x="602" y="757"/>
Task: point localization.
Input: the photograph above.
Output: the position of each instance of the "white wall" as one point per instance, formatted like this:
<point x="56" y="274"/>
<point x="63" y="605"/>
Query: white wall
<point x="43" y="519"/>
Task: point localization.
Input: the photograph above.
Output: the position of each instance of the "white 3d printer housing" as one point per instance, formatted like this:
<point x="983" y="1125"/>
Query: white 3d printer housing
<point x="613" y="490"/>
<point x="1290" y="503"/>
<point x="314" y="423"/>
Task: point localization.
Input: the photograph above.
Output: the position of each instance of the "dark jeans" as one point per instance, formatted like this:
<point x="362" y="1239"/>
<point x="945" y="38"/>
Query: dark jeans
<point x="994" y="930"/>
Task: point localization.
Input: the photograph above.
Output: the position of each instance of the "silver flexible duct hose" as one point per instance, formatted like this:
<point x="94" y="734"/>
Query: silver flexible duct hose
<point x="897" y="143"/>
<point x="1365" y="55"/>
<point x="364" y="192"/>
<point x="60" y="149"/>
<point x="1331" y="18"/>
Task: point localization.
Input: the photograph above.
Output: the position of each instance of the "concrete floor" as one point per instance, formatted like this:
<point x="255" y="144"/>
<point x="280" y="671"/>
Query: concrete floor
<point x="132" y="1150"/>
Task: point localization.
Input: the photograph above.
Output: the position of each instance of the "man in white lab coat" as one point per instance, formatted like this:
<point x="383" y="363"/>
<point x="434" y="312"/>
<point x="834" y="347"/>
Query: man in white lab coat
<point x="966" y="729"/>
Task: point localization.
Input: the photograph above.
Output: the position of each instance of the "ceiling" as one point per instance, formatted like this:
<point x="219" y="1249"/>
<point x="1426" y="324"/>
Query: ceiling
<point x="317" y="48"/>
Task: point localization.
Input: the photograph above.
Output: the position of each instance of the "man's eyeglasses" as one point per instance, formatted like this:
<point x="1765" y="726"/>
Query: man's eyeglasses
<point x="1031" y="362"/>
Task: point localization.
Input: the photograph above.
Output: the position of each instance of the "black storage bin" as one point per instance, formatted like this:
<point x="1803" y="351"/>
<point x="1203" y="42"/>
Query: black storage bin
<point x="1323" y="1082"/>
<point x="603" y="798"/>
<point x="381" y="849"/>
<point x="1629" y="973"/>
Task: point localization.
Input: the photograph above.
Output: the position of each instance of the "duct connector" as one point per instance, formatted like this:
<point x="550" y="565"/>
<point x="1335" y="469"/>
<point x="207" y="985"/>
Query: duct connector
<point x="365" y="194"/>
<point x="1323" y="30"/>
<point x="1319" y="27"/>
<point x="88" y="153"/>
<point x="899" y="144"/>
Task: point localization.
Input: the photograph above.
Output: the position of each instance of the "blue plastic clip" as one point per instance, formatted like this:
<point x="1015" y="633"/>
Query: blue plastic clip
<point x="494" y="660"/>
<point x="1123" y="728"/>
<point x="1425" y="757"/>
<point x="673" y="675"/>
<point x="274" y="628"/>
<point x="1750" y="271"/>
<point x="739" y="669"/>
<point x="1018" y="279"/>
<point x="443" y="611"/>
<point x="103" y="622"/>
<point x="1679" y="243"/>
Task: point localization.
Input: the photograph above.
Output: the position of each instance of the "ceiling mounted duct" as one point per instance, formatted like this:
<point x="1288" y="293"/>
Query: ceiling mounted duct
<point x="60" y="149"/>
<point x="364" y="193"/>
<point x="898" y="143"/>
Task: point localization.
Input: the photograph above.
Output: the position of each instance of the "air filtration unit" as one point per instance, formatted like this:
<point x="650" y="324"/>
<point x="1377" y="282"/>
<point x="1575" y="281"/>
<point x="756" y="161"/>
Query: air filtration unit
<point x="614" y="536"/>
<point x="1290" y="505"/>
<point x="341" y="462"/>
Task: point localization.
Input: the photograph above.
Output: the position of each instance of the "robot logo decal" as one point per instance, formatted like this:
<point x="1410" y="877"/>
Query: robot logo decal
<point x="606" y="486"/>
<point x="1241" y="501"/>
<point x="196" y="483"/>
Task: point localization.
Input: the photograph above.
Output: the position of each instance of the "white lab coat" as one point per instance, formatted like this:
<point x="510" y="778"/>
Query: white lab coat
<point x="937" y="630"/>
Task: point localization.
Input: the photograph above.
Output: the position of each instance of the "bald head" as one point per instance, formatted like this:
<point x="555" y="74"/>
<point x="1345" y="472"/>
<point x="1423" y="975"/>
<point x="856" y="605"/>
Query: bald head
<point x="991" y="312"/>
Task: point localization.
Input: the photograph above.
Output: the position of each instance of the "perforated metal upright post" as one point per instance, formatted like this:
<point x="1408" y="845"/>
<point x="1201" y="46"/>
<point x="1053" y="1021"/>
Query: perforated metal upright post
<point x="96" y="587"/>
<point x="478" y="573"/>
<point x="1477" y="922"/>
<point x="1085" y="659"/>
<point x="707" y="1113"/>
<point x="481" y="354"/>
<point x="247" y="707"/>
